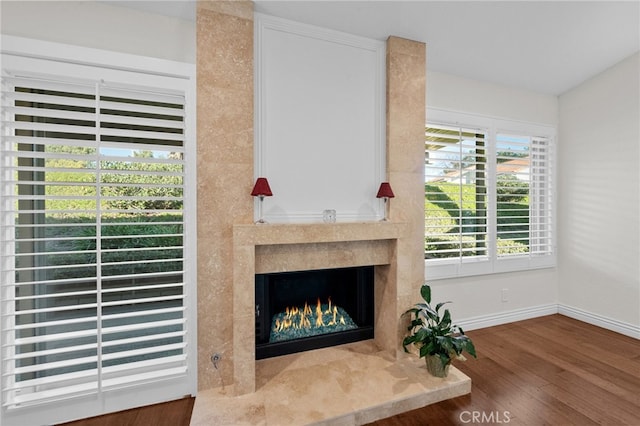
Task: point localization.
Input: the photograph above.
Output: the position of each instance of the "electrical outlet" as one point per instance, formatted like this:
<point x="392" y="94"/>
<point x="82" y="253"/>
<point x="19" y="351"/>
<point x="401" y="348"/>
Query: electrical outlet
<point x="505" y="295"/>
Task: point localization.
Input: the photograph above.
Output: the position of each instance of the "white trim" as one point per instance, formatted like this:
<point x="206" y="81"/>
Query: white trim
<point x="485" y="119"/>
<point x="621" y="327"/>
<point x="191" y="229"/>
<point x="490" y="320"/>
<point x="500" y="318"/>
<point x="58" y="52"/>
<point x="320" y="33"/>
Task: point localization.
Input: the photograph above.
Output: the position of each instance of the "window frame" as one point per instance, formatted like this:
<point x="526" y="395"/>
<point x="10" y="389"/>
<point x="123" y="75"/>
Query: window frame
<point x="60" y="59"/>
<point x="459" y="266"/>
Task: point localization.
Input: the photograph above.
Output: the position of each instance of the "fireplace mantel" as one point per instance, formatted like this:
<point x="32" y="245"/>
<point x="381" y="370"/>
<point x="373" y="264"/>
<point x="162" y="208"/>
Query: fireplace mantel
<point x="285" y="233"/>
<point x="264" y="248"/>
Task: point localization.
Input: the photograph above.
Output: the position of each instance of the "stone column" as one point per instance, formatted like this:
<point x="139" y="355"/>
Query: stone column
<point x="225" y="171"/>
<point x="406" y="115"/>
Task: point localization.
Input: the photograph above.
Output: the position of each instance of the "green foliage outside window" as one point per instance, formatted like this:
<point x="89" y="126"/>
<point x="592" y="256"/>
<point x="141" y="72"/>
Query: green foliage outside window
<point x="441" y="201"/>
<point x="71" y="239"/>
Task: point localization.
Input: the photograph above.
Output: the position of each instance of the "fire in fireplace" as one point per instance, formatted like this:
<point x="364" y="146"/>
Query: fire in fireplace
<point x="303" y="310"/>
<point x="299" y="322"/>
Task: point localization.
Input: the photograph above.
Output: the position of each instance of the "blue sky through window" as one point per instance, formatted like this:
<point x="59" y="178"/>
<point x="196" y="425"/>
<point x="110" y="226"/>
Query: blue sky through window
<point x="119" y="152"/>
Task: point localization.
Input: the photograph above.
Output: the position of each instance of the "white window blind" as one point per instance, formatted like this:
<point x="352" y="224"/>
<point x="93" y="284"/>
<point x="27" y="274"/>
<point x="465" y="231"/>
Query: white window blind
<point x="523" y="195"/>
<point x="93" y="242"/>
<point x="489" y="195"/>
<point x="455" y="192"/>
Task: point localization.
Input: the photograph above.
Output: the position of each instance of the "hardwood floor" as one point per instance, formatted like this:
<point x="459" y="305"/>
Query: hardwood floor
<point x="550" y="370"/>
<point x="173" y="413"/>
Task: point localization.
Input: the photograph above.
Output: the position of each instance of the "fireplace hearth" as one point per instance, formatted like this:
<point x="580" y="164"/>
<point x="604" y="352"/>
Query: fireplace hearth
<point x="303" y="310"/>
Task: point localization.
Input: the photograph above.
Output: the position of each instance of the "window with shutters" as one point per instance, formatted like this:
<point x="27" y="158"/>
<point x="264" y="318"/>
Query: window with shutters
<point x="455" y="192"/>
<point x="94" y="236"/>
<point x="488" y="195"/>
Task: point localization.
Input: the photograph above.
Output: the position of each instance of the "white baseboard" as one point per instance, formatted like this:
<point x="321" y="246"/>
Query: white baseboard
<point x="500" y="318"/>
<point x="600" y="321"/>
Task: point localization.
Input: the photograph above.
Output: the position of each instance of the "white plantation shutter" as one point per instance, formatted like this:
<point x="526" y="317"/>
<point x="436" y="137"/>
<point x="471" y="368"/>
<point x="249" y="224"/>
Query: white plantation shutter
<point x="542" y="196"/>
<point x="513" y="183"/>
<point x="455" y="193"/>
<point x="93" y="237"/>
<point x="489" y="196"/>
<point x="524" y="202"/>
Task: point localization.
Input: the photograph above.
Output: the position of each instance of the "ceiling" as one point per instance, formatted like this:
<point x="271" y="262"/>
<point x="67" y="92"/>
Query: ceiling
<point x="543" y="46"/>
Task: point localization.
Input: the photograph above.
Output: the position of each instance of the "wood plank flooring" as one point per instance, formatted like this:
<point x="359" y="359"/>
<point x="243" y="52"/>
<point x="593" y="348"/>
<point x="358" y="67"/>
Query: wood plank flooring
<point x="173" y="413"/>
<point x="551" y="370"/>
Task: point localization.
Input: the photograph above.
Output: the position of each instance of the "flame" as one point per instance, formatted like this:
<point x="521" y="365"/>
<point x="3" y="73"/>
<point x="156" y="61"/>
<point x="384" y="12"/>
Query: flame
<point x="298" y="318"/>
<point x="319" y="321"/>
<point x="291" y="312"/>
<point x="328" y="311"/>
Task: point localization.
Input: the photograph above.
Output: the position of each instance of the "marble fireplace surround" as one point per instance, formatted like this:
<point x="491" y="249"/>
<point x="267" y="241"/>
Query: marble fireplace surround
<point x="268" y="248"/>
<point x="231" y="250"/>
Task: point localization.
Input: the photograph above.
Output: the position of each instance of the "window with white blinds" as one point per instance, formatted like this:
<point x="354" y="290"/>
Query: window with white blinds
<point x="455" y="192"/>
<point x="93" y="237"/>
<point x="523" y="189"/>
<point x="489" y="196"/>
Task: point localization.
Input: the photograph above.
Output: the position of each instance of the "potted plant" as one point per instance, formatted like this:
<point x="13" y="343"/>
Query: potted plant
<point x="438" y="340"/>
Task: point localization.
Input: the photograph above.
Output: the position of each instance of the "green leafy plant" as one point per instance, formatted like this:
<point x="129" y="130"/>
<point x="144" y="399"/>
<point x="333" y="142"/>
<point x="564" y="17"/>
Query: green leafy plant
<point x="434" y="334"/>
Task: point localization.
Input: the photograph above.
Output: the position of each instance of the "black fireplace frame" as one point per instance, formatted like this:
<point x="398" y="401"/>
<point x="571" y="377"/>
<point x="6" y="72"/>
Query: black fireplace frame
<point x="362" y="313"/>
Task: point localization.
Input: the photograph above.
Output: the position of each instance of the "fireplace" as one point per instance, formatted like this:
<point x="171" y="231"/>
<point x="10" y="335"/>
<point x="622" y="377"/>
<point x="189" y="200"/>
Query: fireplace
<point x="303" y="310"/>
<point x="283" y="248"/>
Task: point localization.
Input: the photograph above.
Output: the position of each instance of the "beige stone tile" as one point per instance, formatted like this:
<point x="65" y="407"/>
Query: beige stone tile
<point x="216" y="378"/>
<point x="403" y="46"/>
<point x="273" y="234"/>
<point x="344" y="385"/>
<point x="348" y="419"/>
<point x="230" y="199"/>
<point x="213" y="407"/>
<point x="239" y="148"/>
<point x="223" y="111"/>
<point x="390" y="379"/>
<point x="240" y="8"/>
<point x="224" y="50"/>
<point x="386" y="309"/>
<point x="300" y="396"/>
<point x="296" y="257"/>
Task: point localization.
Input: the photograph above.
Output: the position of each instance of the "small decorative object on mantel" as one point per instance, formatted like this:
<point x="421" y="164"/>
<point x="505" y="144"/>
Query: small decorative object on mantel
<point x="261" y="189"/>
<point x="329" y="216"/>
<point x="385" y="192"/>
<point x="439" y="341"/>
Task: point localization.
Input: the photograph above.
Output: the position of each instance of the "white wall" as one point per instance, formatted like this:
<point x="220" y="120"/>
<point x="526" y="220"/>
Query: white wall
<point x="477" y="301"/>
<point x="460" y="94"/>
<point x="599" y="190"/>
<point x="320" y="119"/>
<point x="101" y="26"/>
